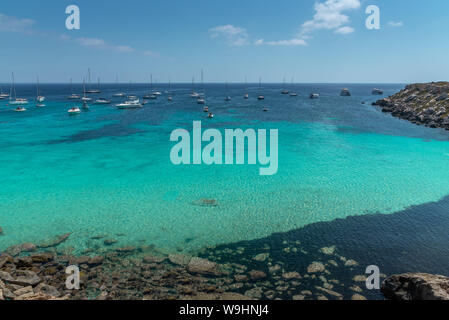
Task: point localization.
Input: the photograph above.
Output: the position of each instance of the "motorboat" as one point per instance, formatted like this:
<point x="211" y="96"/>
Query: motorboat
<point x="206" y="109"/>
<point x="377" y="91"/>
<point x="85" y="105"/>
<point x="210" y="115"/>
<point x="260" y="97"/>
<point x="74" y="110"/>
<point x="314" y="96"/>
<point x="130" y="104"/>
<point x="345" y="93"/>
<point x="200" y="101"/>
<point x="246" y="96"/>
<point x="18" y="101"/>
<point x="20" y="109"/>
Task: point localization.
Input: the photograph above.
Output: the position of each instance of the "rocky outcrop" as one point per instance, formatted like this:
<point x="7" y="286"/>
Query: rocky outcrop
<point x="416" y="286"/>
<point x="423" y="103"/>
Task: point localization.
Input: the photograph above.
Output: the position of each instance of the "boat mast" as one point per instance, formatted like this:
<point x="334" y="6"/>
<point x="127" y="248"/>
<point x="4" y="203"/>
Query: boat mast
<point x="14" y="87"/>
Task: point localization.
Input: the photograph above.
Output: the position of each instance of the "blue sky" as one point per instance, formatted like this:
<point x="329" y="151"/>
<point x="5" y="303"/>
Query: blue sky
<point x="308" y="40"/>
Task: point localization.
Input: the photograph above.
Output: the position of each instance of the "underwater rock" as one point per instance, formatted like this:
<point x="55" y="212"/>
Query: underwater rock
<point x="351" y="263"/>
<point x="261" y="257"/>
<point x="95" y="261"/>
<point x="26" y="278"/>
<point x="358" y="297"/>
<point x="291" y="275"/>
<point x="328" y="250"/>
<point x="416" y="286"/>
<point x="55" y="242"/>
<point x="206" y="202"/>
<point x="47" y="289"/>
<point x="203" y="266"/>
<point x="19" y="248"/>
<point x="109" y="242"/>
<point x="315" y="267"/>
<point x="179" y="259"/>
<point x="42" y="257"/>
<point x="255" y="293"/>
<point x="1" y="231"/>
<point x="98" y="237"/>
<point x="257" y="275"/>
<point x="154" y="259"/>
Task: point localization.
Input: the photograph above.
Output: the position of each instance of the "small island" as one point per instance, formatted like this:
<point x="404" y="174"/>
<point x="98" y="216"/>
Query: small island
<point x="421" y="103"/>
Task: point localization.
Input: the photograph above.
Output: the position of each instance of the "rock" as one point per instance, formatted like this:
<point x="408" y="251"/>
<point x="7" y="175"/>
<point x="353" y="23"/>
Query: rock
<point x="274" y="269"/>
<point x="5" y="276"/>
<point x="328" y="250"/>
<point x="2" y="297"/>
<point x="261" y="257"/>
<point x="358" y="297"/>
<point x="55" y="242"/>
<point x="315" y="267"/>
<point x="359" y="278"/>
<point x="291" y="275"/>
<point x="299" y="297"/>
<point x="95" y="261"/>
<point x="255" y="293"/>
<point x="26" y="278"/>
<point x="232" y="296"/>
<point x="179" y="259"/>
<point x="351" y="263"/>
<point x="416" y="286"/>
<point x="240" y="278"/>
<point x="257" y="275"/>
<point x="203" y="266"/>
<point x="47" y="289"/>
<point x="154" y="259"/>
<point x="109" y="242"/>
<point x="24" y="290"/>
<point x="330" y="292"/>
<point x="42" y="258"/>
<point x="355" y="288"/>
<point x="126" y="250"/>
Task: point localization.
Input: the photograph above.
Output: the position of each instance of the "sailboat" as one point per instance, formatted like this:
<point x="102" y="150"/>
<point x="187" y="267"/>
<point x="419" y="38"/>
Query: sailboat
<point x="246" y="96"/>
<point x="292" y="93"/>
<point x="227" y="98"/>
<point x="118" y="94"/>
<point x="3" y="95"/>
<point x="17" y="101"/>
<point x="169" y="98"/>
<point x="260" y="96"/>
<point x="201" y="100"/>
<point x="150" y="95"/>
<point x="39" y="98"/>
<point x="73" y="96"/>
<point x="84" y="98"/>
<point x="284" y="91"/>
<point x="193" y="94"/>
<point x="89" y="90"/>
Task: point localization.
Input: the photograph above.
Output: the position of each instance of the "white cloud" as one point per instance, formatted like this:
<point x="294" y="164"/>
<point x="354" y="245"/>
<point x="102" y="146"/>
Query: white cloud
<point x="233" y="35"/>
<point x="329" y="15"/>
<point x="91" y="42"/>
<point x="286" y="43"/>
<point x="395" y="24"/>
<point x="13" y="24"/>
<point x="344" y="30"/>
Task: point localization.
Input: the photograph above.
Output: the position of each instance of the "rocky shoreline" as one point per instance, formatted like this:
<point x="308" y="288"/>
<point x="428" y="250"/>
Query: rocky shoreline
<point x="422" y="103"/>
<point x="36" y="272"/>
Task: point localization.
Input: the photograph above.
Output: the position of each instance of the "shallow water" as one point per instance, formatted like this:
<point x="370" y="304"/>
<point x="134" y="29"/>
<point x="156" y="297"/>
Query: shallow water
<point x="108" y="171"/>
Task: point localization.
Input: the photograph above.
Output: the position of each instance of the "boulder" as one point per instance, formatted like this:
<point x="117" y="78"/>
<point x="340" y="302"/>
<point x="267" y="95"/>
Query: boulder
<point x="257" y="275"/>
<point x="203" y="266"/>
<point x="416" y="286"/>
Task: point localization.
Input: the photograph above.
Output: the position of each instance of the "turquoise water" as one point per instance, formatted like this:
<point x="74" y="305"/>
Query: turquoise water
<point x="108" y="171"/>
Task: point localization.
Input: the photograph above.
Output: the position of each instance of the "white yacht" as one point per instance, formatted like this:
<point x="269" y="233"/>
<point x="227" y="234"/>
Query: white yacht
<point x="314" y="96"/>
<point x="345" y="92"/>
<point x="129" y="104"/>
<point x="84" y="98"/>
<point x="377" y="91"/>
<point x="3" y="95"/>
